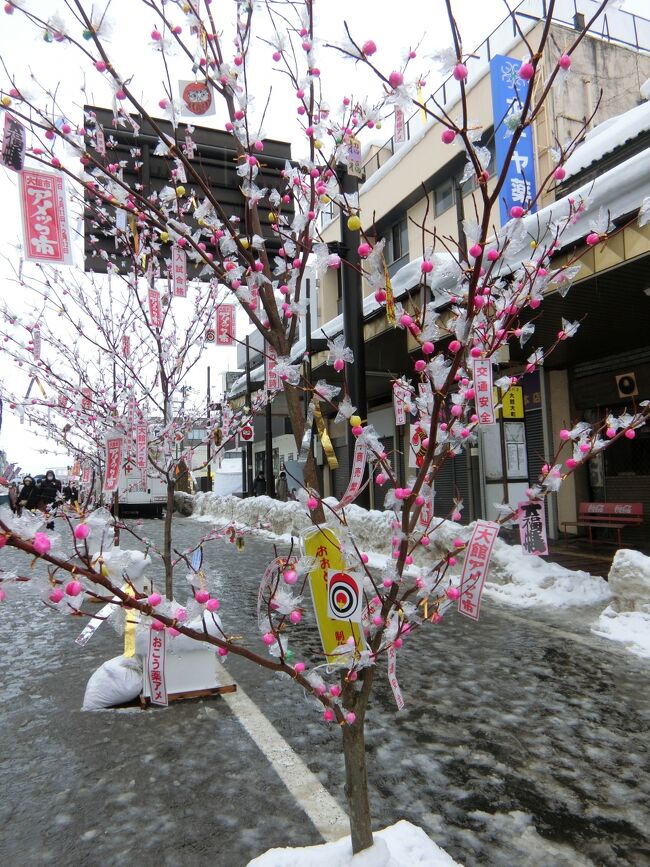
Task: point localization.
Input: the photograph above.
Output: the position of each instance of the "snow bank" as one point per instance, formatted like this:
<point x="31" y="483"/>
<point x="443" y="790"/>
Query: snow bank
<point x="401" y="845"/>
<point x="525" y="581"/>
<point x="629" y="579"/>
<point x="632" y="628"/>
<point x="515" y="578"/>
<point x="627" y="619"/>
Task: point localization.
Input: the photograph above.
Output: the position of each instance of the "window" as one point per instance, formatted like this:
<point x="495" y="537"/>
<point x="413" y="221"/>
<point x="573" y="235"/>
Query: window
<point x="397" y="241"/>
<point x="444" y="197"/>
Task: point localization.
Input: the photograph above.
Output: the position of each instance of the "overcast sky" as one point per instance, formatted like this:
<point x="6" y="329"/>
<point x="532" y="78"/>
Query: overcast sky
<point x="395" y="25"/>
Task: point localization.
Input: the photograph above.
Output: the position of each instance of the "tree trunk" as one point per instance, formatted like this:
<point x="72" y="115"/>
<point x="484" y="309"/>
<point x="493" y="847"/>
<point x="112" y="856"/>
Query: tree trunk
<point x="356" y="784"/>
<point x="167" y="542"/>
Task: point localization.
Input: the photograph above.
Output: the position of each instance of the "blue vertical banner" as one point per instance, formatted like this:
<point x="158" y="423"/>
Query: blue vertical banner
<point x="508" y="96"/>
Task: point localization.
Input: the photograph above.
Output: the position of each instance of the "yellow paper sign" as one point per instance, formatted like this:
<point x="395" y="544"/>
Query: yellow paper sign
<point x="323" y="545"/>
<point x="513" y="402"/>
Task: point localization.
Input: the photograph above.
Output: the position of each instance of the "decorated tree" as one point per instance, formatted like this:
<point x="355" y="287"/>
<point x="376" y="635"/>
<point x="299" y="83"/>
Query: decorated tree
<point x="491" y="289"/>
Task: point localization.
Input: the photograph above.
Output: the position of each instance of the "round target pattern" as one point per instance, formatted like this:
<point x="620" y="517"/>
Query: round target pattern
<point x="344" y="596"/>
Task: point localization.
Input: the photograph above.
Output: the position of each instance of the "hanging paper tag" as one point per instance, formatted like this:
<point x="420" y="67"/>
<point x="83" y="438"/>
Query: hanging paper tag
<point x="399" y="135"/>
<point x="271" y="379"/>
<point x="226" y="325"/>
<point x="306" y="437"/>
<point x="483" y="388"/>
<point x="89" y="630"/>
<point x="401" y="396"/>
<point x="356" y="476"/>
<point x="475" y="567"/>
<point x="13" y="144"/>
<point x="155" y="309"/>
<point x="100" y="141"/>
<point x="532" y="527"/>
<point x="114" y="447"/>
<point x="46" y="236"/>
<point x="179" y="272"/>
<point x="156" y="657"/>
<point x="323" y="545"/>
<point x="392" y="678"/>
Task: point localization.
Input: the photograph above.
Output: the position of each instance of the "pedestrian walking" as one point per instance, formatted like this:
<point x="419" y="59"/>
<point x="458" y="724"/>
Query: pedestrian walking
<point x="282" y="488"/>
<point x="259" y="485"/>
<point x="50" y="493"/>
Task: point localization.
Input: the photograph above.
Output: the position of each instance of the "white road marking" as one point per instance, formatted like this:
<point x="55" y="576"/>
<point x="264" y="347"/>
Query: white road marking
<point x="323" y="810"/>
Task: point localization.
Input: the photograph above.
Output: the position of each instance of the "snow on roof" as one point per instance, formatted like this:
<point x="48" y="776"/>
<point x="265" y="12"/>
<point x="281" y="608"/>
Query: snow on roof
<point x="607" y="136"/>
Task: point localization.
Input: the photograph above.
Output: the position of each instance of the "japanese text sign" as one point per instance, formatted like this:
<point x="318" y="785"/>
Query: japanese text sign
<point x="156" y="656"/>
<point x="155" y="309"/>
<point x="475" y="567"/>
<point x="392" y="678"/>
<point x="323" y="545"/>
<point x="46" y="237"/>
<point x="114" y="447"/>
<point x="400" y="129"/>
<point x="179" y="272"/>
<point x="356" y="476"/>
<point x="508" y="97"/>
<point x="532" y="527"/>
<point x="401" y="398"/>
<point x="13" y="144"/>
<point x="141" y="446"/>
<point x="483" y="391"/>
<point x="272" y="379"/>
<point x="226" y="325"/>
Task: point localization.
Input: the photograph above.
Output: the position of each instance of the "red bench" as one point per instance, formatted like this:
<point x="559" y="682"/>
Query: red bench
<point x="615" y="516"/>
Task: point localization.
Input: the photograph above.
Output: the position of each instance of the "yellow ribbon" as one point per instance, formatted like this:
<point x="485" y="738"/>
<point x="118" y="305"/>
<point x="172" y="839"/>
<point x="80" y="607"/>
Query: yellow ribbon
<point x="326" y="442"/>
<point x="132" y="616"/>
<point x="390" y="298"/>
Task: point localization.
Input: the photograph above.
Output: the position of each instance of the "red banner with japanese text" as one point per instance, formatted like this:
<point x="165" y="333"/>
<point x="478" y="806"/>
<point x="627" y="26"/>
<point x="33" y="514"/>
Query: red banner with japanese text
<point x="141" y="446"/>
<point x="226" y="325"/>
<point x="155" y="309"/>
<point x="114" y="448"/>
<point x="475" y="567"/>
<point x="46" y="236"/>
<point x="483" y="389"/>
<point x="156" y="657"/>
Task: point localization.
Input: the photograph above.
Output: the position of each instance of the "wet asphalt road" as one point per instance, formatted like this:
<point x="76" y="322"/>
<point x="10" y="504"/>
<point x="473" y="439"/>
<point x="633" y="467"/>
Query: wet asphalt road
<point x="524" y="741"/>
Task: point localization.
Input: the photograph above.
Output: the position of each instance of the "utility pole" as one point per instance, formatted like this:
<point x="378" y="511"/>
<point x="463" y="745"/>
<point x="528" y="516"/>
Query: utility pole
<point x="352" y="305"/>
<point x="209" y="450"/>
<point x="249" y="445"/>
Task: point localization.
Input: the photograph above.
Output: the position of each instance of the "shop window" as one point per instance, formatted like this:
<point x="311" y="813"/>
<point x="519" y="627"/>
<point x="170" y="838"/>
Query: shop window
<point x="397" y="242"/>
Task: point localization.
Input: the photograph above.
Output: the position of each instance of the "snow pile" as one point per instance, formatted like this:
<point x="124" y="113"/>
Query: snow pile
<point x="515" y="578"/>
<point x="526" y="581"/>
<point x="632" y="628"/>
<point x="627" y="619"/>
<point x="400" y="845"/>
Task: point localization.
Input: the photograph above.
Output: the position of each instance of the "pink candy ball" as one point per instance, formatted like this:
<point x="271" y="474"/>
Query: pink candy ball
<point x="427" y="266"/>
<point x="56" y="595"/>
<point x="312" y="503"/>
<point x="452" y="592"/>
<point x="81" y="531"/>
<point x="338" y="365"/>
<point x="368" y="48"/>
<point x="154" y="599"/>
<point x="212" y="604"/>
<point x="295" y="616"/>
<point x="202" y="596"/>
<point x="329" y="715"/>
<point x="299" y="667"/>
<point x="350" y="718"/>
<point x="454" y="346"/>
<point x="475" y="250"/>
<point x="592" y="239"/>
<point x="559" y="174"/>
<point x="516" y="211"/>
<point x="157" y="625"/>
<point x="364" y="250"/>
<point x="268" y="638"/>
<point x="526" y="71"/>
<point x="425" y="541"/>
<point x="460" y="72"/>
<point x="564" y="62"/>
<point x="290" y="576"/>
<point x="565" y="434"/>
<point x="73" y="588"/>
<point x="629" y="434"/>
<point x="420" y="365"/>
<point x="395" y="79"/>
<point x="447" y="136"/>
<point x="41" y="543"/>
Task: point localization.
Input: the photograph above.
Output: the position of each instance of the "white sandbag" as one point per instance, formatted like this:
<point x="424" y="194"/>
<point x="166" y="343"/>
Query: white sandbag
<point x="117" y="681"/>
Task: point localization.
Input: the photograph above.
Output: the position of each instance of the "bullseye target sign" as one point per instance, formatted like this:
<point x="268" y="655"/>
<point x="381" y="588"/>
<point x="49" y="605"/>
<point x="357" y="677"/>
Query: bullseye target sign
<point x="344" y="597"/>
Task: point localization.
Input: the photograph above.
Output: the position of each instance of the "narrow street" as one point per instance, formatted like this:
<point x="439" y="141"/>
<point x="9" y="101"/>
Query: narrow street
<point x="524" y="741"/>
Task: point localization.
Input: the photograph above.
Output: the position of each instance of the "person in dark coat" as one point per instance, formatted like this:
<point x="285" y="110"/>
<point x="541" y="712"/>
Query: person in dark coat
<point x="71" y="493"/>
<point x="28" y="496"/>
<point x="50" y="494"/>
<point x="282" y="488"/>
<point x="259" y="485"/>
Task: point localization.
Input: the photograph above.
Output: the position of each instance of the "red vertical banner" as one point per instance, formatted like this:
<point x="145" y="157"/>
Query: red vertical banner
<point x="272" y="380"/>
<point x="475" y="567"/>
<point x="85" y="477"/>
<point x="126" y="345"/>
<point x="141" y="446"/>
<point x="100" y="141"/>
<point x="46" y="236"/>
<point x="226" y="325"/>
<point x="400" y="129"/>
<point x="114" y="448"/>
<point x="483" y="389"/>
<point x="179" y="272"/>
<point x="156" y="667"/>
<point x="86" y="398"/>
<point x="532" y="527"/>
<point x="155" y="309"/>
